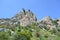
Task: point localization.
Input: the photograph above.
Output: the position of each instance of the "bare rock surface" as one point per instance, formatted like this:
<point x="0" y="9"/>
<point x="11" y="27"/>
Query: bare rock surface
<point x="25" y="18"/>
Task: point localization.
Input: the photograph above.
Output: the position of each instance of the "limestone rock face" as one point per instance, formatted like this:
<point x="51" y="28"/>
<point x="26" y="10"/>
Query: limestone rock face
<point x="25" y="17"/>
<point x="57" y="21"/>
<point x="47" y="20"/>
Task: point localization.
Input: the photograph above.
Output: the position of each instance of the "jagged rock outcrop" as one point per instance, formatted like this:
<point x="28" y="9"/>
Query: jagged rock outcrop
<point x="23" y="18"/>
<point x="46" y="22"/>
<point x="57" y="21"/>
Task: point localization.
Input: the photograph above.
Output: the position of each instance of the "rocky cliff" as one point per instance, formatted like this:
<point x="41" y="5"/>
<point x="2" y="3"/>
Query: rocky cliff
<point x="25" y="18"/>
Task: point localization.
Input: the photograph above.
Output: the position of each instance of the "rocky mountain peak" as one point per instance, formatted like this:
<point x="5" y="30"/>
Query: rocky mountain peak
<point x="23" y="10"/>
<point x="46" y="20"/>
<point x="25" y="17"/>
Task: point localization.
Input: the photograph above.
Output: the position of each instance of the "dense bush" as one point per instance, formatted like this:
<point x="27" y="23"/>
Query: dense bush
<point x="29" y="33"/>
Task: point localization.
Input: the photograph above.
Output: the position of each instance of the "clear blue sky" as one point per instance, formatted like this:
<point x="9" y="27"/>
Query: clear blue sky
<point x="40" y="8"/>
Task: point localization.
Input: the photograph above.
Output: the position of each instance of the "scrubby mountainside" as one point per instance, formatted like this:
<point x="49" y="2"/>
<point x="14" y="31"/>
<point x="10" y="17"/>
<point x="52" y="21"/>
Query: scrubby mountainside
<point x="25" y="26"/>
<point x="23" y="18"/>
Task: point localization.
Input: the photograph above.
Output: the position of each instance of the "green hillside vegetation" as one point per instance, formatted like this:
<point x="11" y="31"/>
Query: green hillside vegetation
<point x="29" y="33"/>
